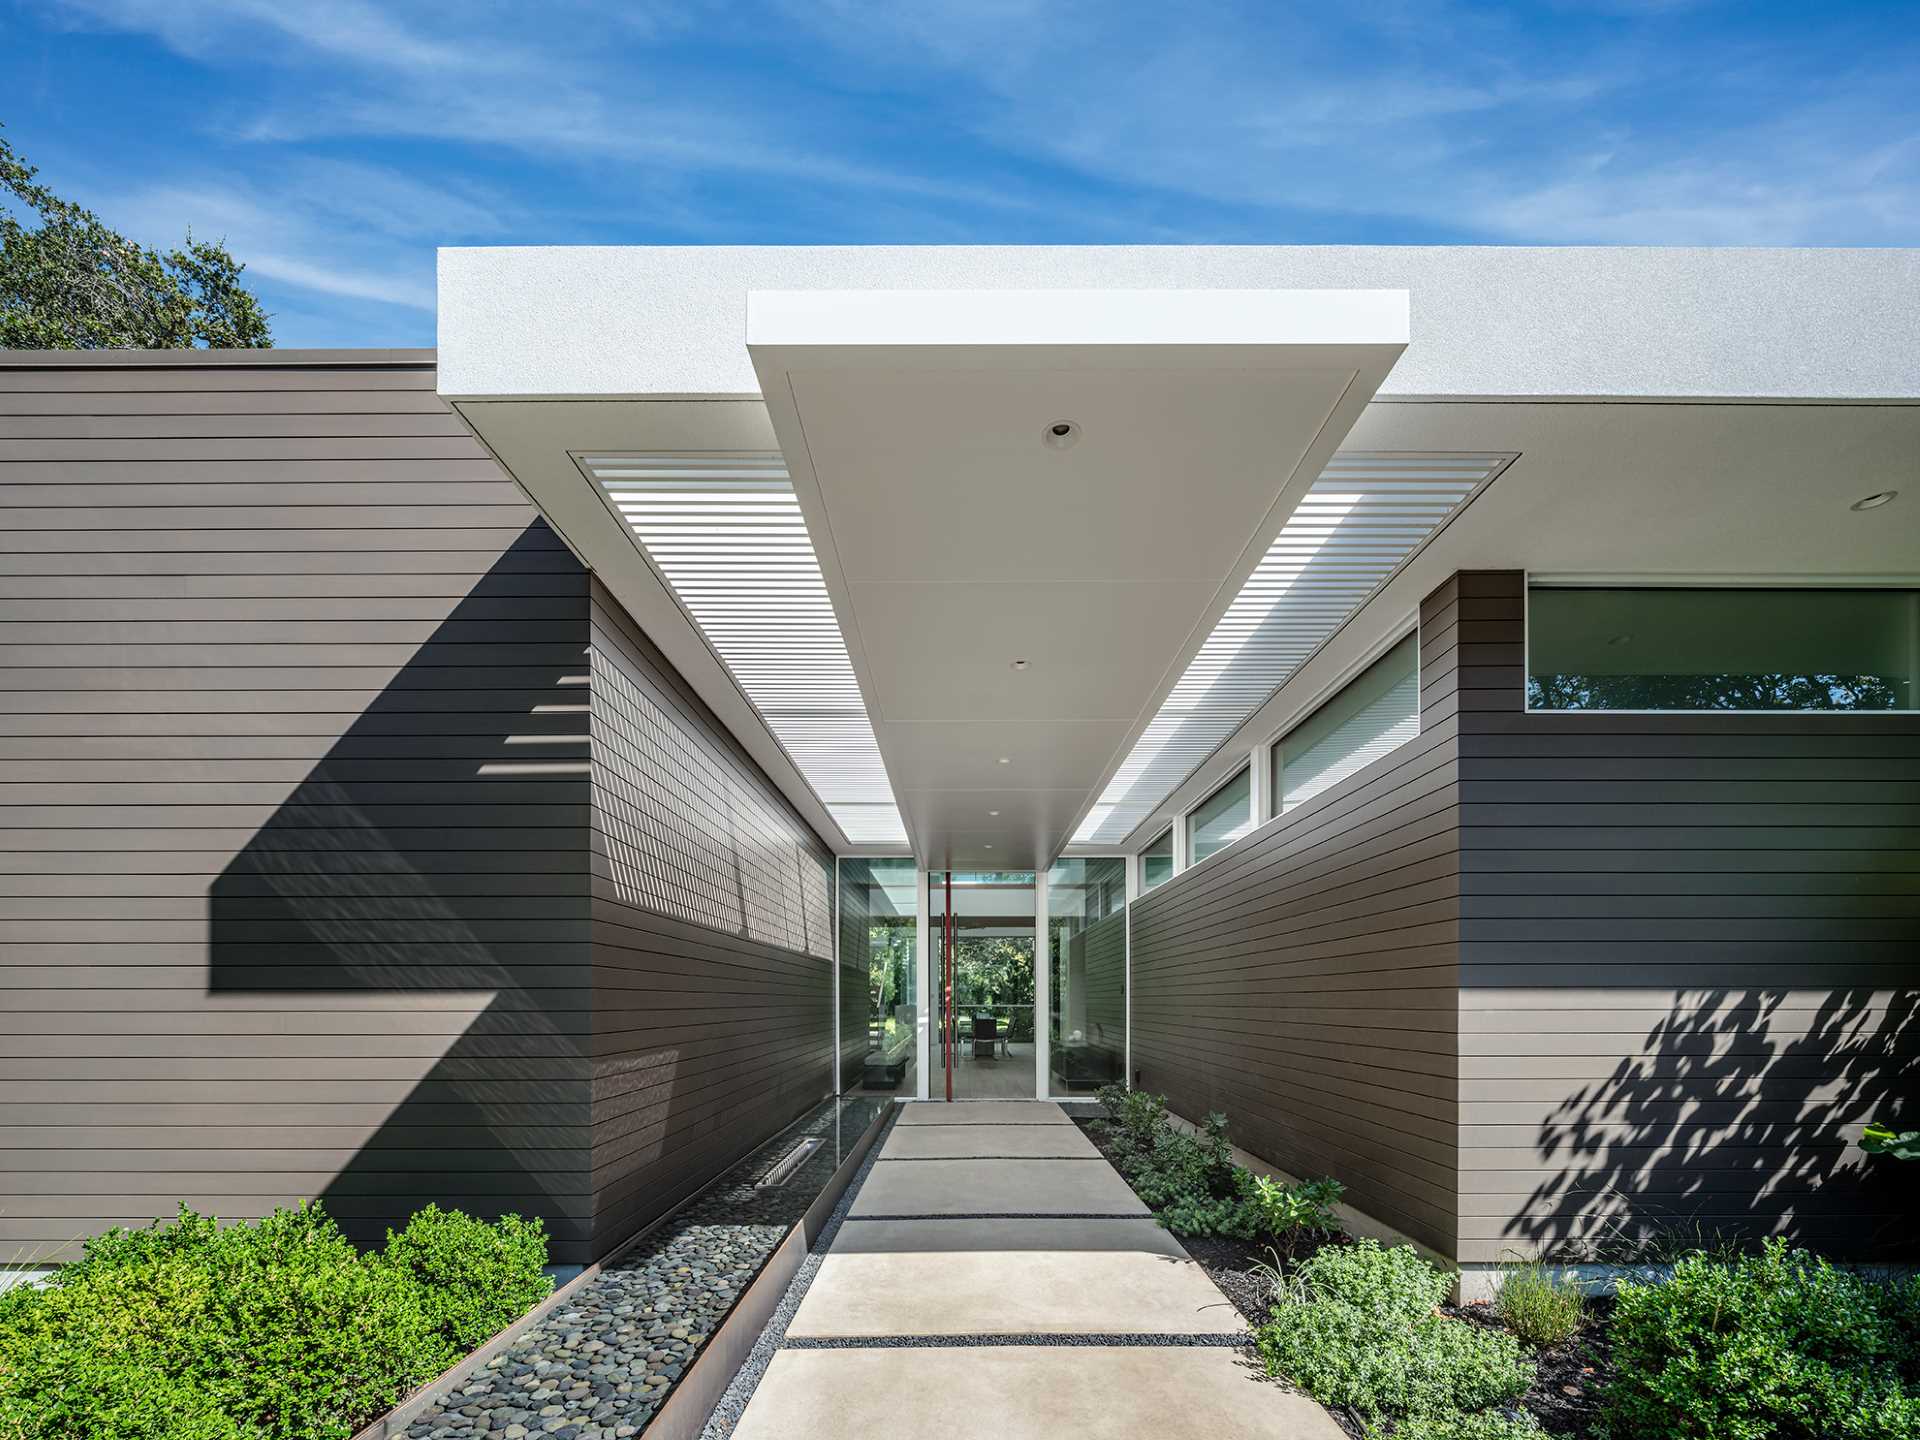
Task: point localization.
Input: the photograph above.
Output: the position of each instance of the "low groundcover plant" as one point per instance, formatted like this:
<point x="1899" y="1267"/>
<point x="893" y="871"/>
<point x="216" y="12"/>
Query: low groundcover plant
<point x="1359" y="1326"/>
<point x="279" y="1329"/>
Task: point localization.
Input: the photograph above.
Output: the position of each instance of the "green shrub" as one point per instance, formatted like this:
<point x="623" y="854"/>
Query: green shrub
<point x="1286" y="1214"/>
<point x="473" y="1276"/>
<point x="1134" y="1118"/>
<point x="1484" y="1425"/>
<point x="1192" y="1185"/>
<point x="1357" y="1326"/>
<point x="275" y="1330"/>
<point x="1540" y="1309"/>
<point x="1778" y="1344"/>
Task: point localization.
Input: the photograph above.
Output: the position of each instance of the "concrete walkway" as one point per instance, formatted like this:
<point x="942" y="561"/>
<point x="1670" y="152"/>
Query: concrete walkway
<point x="995" y="1276"/>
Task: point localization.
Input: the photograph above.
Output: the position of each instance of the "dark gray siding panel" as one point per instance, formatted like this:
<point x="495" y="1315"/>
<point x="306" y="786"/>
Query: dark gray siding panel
<point x="1303" y="981"/>
<point x="285" y="915"/>
<point x="712" y="941"/>
<point x="1690" y="964"/>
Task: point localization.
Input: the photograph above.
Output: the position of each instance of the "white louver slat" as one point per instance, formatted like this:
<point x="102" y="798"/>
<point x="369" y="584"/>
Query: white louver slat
<point x="1364" y="515"/>
<point x="726" y="534"/>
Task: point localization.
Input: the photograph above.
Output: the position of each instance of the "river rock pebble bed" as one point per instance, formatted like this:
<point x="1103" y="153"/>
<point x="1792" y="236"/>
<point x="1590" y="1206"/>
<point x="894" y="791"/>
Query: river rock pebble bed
<point x="600" y="1366"/>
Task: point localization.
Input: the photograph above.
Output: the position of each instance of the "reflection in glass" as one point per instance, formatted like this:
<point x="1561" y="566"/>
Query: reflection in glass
<point x="992" y="1041"/>
<point x="1222" y="818"/>
<point x="1087" y="974"/>
<point x="1375" y="712"/>
<point x="878" y="1003"/>
<point x="1156" y="861"/>
<point x="1600" y="648"/>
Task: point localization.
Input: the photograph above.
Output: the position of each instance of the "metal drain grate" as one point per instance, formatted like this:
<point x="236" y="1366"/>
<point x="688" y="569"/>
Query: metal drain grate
<point x="784" y="1167"/>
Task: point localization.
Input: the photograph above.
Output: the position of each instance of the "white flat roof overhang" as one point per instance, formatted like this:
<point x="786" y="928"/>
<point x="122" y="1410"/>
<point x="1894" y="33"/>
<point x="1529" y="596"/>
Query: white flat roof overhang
<point x="1658" y="401"/>
<point x="958" y="536"/>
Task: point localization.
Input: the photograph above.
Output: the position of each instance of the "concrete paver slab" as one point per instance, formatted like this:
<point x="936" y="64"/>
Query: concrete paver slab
<point x="1010" y="1277"/>
<point x="995" y="1187"/>
<point x="1045" y="1232"/>
<point x="984" y="1112"/>
<point x="1027" y="1392"/>
<point x="975" y="1142"/>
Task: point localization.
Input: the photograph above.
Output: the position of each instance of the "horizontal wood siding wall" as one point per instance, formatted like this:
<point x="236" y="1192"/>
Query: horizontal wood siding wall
<point x="1304" y="980"/>
<point x="712" y="940"/>
<point x="281" y="918"/>
<point x="1690" y="964"/>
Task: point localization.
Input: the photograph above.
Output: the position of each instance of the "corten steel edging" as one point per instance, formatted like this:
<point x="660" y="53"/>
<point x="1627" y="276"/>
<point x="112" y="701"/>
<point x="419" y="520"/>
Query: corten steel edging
<point x="683" y="1414"/>
<point x="734" y="1336"/>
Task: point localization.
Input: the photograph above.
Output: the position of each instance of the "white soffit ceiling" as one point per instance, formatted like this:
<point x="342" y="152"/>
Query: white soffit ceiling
<point x="955" y="538"/>
<point x="726" y="534"/>
<point x="1362" y="518"/>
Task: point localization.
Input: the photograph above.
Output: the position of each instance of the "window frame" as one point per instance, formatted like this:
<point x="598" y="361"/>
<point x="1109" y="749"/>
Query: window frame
<point x="1530" y="581"/>
<point x="1173" y="859"/>
<point x="1273" y="750"/>
<point x="1254" y="822"/>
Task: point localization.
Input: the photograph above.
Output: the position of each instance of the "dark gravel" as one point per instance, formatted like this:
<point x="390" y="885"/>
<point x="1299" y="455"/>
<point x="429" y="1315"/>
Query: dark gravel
<point x="599" y="1367"/>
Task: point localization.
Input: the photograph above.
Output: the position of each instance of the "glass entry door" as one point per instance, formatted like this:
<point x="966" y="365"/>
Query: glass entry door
<point x="981" y="943"/>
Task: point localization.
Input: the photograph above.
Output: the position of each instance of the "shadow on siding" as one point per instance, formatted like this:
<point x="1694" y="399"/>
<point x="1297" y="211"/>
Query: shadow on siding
<point x="426" y="884"/>
<point x="1737" y="1120"/>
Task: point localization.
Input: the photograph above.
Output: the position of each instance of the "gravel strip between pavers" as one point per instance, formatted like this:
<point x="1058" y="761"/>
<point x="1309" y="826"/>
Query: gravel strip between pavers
<point x="733" y="1404"/>
<point x="601" y="1366"/>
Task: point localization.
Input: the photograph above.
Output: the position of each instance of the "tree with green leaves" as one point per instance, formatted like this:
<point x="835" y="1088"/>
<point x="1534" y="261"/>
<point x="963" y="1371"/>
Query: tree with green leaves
<point x="70" y="282"/>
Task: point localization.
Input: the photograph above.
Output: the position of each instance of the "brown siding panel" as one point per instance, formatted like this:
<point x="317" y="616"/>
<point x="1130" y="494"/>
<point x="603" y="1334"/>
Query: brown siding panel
<point x="305" y="883"/>
<point x="712" y="941"/>
<point x="282" y="927"/>
<point x="1304" y="981"/>
<point x="1687" y="969"/>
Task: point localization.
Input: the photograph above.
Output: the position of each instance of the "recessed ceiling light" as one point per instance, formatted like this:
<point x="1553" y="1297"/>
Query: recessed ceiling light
<point x="1006" y="760"/>
<point x="993" y="812"/>
<point x="1019" y="664"/>
<point x="1061" y="435"/>
<point x="986" y="847"/>
<point x="1874" y="502"/>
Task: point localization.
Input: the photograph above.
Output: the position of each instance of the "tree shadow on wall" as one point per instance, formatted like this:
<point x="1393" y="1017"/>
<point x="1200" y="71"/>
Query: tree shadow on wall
<point x="418" y="908"/>
<point x="1735" y="1122"/>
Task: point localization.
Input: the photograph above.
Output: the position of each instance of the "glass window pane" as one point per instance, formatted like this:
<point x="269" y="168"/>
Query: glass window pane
<point x="1377" y="711"/>
<point x="1226" y="815"/>
<point x="1087" y="974"/>
<point x="879" y="905"/>
<point x="1156" y="862"/>
<point x="989" y="1040"/>
<point x="1593" y="648"/>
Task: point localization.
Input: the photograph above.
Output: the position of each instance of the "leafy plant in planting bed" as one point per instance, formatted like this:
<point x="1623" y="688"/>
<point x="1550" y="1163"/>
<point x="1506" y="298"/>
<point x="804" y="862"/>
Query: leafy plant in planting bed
<point x="276" y="1330"/>
<point x="1359" y="1327"/>
<point x="1779" y="1344"/>
<point x="1542" y="1310"/>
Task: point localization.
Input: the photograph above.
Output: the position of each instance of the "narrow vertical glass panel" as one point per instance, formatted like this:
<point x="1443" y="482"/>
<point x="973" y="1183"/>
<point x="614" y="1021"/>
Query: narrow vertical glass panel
<point x="1156" y="861"/>
<point x="1375" y="712"/>
<point x="879" y="1003"/>
<point x="1614" y="648"/>
<point x="1222" y="818"/>
<point x="991" y="1040"/>
<point x="1087" y="974"/>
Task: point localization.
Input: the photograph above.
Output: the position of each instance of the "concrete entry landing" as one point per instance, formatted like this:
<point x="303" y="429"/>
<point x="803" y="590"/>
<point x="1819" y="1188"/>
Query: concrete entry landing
<point x="996" y="1267"/>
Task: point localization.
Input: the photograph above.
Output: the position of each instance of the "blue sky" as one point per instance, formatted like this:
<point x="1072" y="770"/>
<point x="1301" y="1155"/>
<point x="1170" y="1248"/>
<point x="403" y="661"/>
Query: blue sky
<point x="335" y="145"/>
